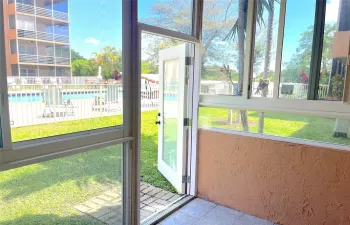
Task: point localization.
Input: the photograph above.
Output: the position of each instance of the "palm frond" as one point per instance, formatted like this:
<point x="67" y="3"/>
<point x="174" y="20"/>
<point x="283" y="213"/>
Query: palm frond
<point x="231" y="36"/>
<point x="262" y="6"/>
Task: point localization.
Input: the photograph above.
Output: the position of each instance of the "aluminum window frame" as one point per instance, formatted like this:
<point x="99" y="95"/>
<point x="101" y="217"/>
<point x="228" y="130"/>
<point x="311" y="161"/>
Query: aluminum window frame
<point x="194" y="83"/>
<point x="14" y="155"/>
<point x="23" y="153"/>
<point x="275" y="104"/>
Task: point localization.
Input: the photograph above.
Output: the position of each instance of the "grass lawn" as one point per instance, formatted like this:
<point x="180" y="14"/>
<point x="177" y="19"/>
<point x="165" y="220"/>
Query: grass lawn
<point x="45" y="193"/>
<point x="285" y="125"/>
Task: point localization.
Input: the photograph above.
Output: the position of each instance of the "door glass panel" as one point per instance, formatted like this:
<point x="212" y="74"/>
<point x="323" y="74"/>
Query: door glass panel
<point x="171" y="90"/>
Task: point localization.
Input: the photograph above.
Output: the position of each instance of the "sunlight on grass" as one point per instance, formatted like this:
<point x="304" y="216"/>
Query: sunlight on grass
<point x="66" y="127"/>
<point x="283" y="125"/>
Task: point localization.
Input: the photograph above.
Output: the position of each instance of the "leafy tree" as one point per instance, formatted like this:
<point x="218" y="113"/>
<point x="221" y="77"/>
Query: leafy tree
<point x="301" y="59"/>
<point x="153" y="46"/>
<point x="75" y="55"/>
<point x="217" y="20"/>
<point x="110" y="59"/>
<point x="148" y="68"/>
<point x="83" y="67"/>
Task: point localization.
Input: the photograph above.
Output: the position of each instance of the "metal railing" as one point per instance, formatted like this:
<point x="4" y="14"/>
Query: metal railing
<point x="61" y="38"/>
<point x="30" y="9"/>
<point x="62" y="61"/>
<point x="34" y="104"/>
<point x="46" y="59"/>
<point x="44" y="36"/>
<point x="28" y="58"/>
<point x="26" y="33"/>
<point x="24" y="8"/>
<point x="299" y="90"/>
<point x="43" y="12"/>
<point x="60" y="15"/>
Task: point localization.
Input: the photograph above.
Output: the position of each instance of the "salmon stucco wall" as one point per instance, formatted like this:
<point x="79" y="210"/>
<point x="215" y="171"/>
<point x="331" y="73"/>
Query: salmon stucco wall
<point x="283" y="182"/>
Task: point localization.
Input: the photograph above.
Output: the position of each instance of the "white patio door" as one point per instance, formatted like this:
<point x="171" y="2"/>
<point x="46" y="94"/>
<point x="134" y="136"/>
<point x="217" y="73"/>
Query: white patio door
<point x="172" y="111"/>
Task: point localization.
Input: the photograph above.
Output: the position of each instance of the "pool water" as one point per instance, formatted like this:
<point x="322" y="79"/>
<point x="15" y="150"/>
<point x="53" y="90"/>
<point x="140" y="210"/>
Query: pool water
<point x="37" y="97"/>
<point x="25" y="98"/>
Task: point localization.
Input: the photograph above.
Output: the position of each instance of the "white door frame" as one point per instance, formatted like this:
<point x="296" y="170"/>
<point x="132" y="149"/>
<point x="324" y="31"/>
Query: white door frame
<point x="193" y="103"/>
<point x="179" y="53"/>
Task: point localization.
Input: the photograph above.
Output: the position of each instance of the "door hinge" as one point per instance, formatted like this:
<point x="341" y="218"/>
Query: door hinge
<point x="189" y="61"/>
<point x="186" y="179"/>
<point x="187" y="122"/>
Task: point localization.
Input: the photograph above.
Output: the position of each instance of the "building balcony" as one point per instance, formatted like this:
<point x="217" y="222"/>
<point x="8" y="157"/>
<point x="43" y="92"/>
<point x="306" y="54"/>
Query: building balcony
<point x="42" y="12"/>
<point x="62" y="61"/>
<point x="42" y="36"/>
<point x="41" y="60"/>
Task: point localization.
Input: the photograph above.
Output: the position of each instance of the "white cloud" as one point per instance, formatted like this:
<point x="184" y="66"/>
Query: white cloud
<point x="92" y="41"/>
<point x="332" y="11"/>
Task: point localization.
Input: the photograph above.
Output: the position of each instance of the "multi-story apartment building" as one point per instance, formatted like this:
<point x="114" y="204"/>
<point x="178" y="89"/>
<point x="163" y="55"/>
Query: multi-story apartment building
<point x="37" y="38"/>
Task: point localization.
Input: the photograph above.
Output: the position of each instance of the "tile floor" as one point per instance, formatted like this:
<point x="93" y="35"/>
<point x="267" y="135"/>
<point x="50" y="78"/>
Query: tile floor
<point x="201" y="212"/>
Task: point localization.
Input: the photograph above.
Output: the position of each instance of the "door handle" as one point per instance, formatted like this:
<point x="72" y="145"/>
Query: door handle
<point x="158" y="122"/>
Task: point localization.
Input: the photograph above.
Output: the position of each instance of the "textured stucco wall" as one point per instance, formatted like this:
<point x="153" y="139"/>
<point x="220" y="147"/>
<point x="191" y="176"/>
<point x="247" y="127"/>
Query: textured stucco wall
<point x="283" y="182"/>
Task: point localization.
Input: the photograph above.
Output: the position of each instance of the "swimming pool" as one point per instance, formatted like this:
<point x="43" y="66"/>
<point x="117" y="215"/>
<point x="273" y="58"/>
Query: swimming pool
<point x="37" y="97"/>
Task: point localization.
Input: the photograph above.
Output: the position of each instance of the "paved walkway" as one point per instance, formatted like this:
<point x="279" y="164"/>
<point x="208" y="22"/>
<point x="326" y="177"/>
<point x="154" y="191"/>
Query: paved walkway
<point x="107" y="207"/>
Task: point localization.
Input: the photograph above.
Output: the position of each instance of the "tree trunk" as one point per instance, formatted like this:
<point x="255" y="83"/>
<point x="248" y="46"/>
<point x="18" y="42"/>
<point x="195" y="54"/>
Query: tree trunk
<point x="241" y="38"/>
<point x="269" y="37"/>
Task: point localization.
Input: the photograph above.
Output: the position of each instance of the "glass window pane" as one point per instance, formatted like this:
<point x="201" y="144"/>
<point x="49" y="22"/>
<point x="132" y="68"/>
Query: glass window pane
<point x="331" y="130"/>
<point x="297" y="48"/>
<point x="224" y="47"/>
<point x="171" y="79"/>
<point x="265" y="49"/>
<point x="335" y="51"/>
<point x="169" y="14"/>
<point x="67" y="75"/>
<point x="85" y="188"/>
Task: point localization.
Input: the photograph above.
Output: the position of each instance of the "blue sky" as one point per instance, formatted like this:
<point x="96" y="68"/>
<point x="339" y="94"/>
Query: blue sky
<point x="96" y="23"/>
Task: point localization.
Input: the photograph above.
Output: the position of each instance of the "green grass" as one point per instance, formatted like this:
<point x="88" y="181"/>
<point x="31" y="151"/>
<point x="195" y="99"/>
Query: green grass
<point x="45" y="193"/>
<point x="284" y="125"/>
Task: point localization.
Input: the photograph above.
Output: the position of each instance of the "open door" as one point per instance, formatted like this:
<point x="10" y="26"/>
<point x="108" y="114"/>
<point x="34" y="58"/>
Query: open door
<point x="172" y="113"/>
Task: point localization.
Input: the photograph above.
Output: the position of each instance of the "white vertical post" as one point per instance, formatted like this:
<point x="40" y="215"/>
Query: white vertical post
<point x="280" y="36"/>
<point x="249" y="59"/>
<point x="54" y="102"/>
<point x="100" y="99"/>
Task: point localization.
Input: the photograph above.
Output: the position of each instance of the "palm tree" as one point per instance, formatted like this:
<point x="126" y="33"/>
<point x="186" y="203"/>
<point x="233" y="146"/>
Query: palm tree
<point x="239" y="30"/>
